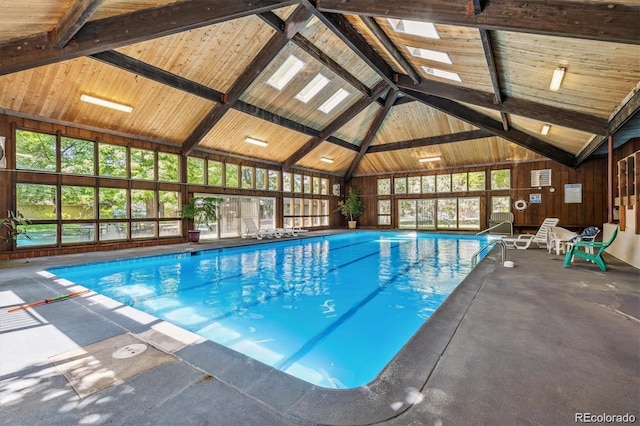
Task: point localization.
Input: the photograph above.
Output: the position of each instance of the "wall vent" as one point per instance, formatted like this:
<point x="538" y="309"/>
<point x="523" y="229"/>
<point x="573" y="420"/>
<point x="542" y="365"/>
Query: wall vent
<point x="541" y="177"/>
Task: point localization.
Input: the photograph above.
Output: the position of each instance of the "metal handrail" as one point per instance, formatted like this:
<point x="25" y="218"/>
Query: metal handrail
<point x="495" y="226"/>
<point x="474" y="258"/>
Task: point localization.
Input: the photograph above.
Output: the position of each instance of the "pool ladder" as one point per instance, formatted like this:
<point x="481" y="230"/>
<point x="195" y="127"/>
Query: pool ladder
<point x="503" y="249"/>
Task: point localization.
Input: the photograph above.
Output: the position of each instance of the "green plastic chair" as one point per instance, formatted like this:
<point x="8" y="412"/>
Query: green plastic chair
<point x="590" y="250"/>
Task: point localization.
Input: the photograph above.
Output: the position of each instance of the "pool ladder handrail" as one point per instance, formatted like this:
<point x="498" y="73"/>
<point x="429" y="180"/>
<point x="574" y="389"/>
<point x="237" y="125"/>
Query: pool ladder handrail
<point x="495" y="226"/>
<point x="503" y="249"/>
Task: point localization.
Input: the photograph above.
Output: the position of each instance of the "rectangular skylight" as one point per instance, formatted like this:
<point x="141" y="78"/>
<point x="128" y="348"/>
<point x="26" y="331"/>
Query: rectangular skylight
<point x="441" y="73"/>
<point x="286" y="72"/>
<point x="333" y="101"/>
<point x="432" y="55"/>
<point x="421" y="29"/>
<point x="312" y="89"/>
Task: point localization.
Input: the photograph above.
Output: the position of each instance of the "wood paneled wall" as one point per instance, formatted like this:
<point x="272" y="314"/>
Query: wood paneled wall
<point x="592" y="175"/>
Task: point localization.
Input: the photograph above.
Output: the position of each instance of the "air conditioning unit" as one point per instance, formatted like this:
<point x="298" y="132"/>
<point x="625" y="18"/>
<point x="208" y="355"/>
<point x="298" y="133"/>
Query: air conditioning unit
<point x="541" y="177"/>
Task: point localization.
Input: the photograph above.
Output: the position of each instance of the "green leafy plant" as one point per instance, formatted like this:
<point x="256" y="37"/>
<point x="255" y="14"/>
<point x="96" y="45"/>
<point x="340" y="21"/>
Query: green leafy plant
<point x="352" y="206"/>
<point x="14" y="224"/>
<point x="203" y="211"/>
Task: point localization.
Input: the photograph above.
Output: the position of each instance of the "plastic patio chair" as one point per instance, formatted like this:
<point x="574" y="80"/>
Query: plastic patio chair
<point x="523" y="241"/>
<point x="582" y="249"/>
<point x="253" y="231"/>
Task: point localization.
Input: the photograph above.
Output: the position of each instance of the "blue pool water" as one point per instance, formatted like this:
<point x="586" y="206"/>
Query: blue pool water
<point x="330" y="310"/>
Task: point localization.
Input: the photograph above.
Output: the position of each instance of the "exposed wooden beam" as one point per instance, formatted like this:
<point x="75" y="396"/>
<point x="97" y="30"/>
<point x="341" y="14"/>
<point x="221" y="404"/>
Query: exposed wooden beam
<point x="433" y="140"/>
<point x="605" y="21"/>
<point x="335" y="125"/>
<point x="482" y="121"/>
<point x="386" y="42"/>
<point x="371" y="132"/>
<point x="630" y="108"/>
<point x="159" y="75"/>
<point x="109" y="33"/>
<point x="541" y="112"/>
<point x="287" y="123"/>
<point x="278" y="41"/>
<point x="475" y="5"/>
<point x="339" y="25"/>
<point x="75" y="17"/>
<point x="299" y="40"/>
<point x="128" y="63"/>
<point x="493" y="71"/>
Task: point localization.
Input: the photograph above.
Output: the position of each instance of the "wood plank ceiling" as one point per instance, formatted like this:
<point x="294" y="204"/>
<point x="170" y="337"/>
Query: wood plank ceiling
<point x="196" y="74"/>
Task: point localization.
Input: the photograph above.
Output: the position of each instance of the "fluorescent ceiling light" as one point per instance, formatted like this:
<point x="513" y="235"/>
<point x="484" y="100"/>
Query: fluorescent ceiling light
<point x="421" y="29"/>
<point x="545" y="129"/>
<point x="556" y="80"/>
<point x="255" y="142"/>
<point x="429" y="159"/>
<point x="432" y="55"/>
<point x="441" y="73"/>
<point x="333" y="101"/>
<point x="286" y="72"/>
<point x="326" y="159"/>
<point x="312" y="89"/>
<point x="105" y="103"/>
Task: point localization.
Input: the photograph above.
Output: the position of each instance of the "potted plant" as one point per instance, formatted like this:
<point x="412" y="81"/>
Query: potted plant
<point x="14" y="225"/>
<point x="351" y="207"/>
<point x="204" y="212"/>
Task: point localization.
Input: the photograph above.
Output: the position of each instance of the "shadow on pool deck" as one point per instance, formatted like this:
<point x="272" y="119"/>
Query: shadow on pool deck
<point x="533" y="344"/>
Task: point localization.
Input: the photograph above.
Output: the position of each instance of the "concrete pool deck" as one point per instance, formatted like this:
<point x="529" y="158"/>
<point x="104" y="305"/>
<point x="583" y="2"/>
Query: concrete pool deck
<point x="533" y="344"/>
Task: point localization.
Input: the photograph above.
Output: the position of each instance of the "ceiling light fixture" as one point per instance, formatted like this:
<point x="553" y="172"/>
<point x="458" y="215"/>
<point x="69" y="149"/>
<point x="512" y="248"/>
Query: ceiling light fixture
<point x="106" y="103"/>
<point x="326" y="160"/>
<point x="556" y="80"/>
<point x="255" y="142"/>
<point x="429" y="159"/>
<point x="545" y="129"/>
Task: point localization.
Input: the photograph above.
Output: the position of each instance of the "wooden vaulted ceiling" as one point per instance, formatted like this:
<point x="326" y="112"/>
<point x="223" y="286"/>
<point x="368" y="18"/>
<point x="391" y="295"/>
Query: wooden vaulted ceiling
<point x="195" y="73"/>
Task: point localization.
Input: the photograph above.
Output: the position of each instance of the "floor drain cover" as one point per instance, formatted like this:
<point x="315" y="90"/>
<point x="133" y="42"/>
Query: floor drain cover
<point x="130" y="351"/>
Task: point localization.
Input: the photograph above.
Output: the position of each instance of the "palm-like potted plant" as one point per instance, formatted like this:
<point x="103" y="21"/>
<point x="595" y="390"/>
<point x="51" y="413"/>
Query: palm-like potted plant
<point x="204" y="212"/>
<point x="15" y="224"/>
<point x="351" y="207"/>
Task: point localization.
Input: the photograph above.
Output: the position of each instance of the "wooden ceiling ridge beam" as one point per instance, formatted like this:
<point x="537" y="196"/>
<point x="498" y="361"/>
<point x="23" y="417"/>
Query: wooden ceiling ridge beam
<point x="335" y="125"/>
<point x="482" y="121"/>
<point x="628" y="110"/>
<point x="493" y="70"/>
<point x="109" y="33"/>
<point x="602" y="21"/>
<point x="386" y="42"/>
<point x="433" y="140"/>
<point x="302" y="42"/>
<point x="76" y="16"/>
<point x="276" y="43"/>
<point x="341" y="27"/>
<point x="371" y="132"/>
<point x="534" y="110"/>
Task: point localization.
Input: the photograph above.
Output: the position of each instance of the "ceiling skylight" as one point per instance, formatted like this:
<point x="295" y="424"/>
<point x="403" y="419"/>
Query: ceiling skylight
<point x="431" y="55"/>
<point x="286" y="72"/>
<point x="312" y="89"/>
<point x="441" y="73"/>
<point x="421" y="29"/>
<point x="333" y="101"/>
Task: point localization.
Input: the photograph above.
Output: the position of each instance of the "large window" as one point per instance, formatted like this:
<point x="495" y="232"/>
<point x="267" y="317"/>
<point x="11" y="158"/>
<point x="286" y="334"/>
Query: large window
<point x="76" y="156"/>
<point x="305" y="212"/>
<point x="384" y="186"/>
<point x="142" y="164"/>
<point x="501" y="179"/>
<point x="37" y="202"/>
<point x="112" y="160"/>
<point x="215" y="173"/>
<point x="35" y="151"/>
<point x="168" y="167"/>
<point x="384" y="212"/>
<point x="195" y="170"/>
